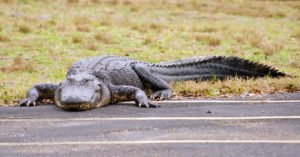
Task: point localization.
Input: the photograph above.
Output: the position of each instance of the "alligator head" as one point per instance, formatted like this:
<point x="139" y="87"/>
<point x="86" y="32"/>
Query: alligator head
<point x="81" y="92"/>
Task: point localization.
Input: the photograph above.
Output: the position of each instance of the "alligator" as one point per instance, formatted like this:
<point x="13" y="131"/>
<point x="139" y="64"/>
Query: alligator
<point x="103" y="80"/>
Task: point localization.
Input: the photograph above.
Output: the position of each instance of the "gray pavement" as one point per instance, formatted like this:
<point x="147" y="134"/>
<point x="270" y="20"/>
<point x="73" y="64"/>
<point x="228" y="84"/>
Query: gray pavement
<point x="270" y="127"/>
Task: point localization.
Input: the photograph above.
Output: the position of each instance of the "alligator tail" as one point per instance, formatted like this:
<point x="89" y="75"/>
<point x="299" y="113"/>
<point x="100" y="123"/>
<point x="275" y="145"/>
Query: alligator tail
<point x="207" y="68"/>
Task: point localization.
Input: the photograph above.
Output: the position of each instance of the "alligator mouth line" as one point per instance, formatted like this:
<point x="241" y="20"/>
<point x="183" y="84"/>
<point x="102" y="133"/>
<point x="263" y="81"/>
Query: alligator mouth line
<point x="77" y="107"/>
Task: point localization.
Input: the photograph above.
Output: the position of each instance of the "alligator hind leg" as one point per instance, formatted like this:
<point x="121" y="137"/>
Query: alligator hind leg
<point x="39" y="91"/>
<point x="160" y="87"/>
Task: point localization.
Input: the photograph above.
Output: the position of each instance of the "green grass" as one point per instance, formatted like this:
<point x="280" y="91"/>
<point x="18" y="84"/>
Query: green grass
<point x="39" y="40"/>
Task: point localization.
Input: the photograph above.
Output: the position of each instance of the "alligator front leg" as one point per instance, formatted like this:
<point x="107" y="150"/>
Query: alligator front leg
<point x="38" y="92"/>
<point x="160" y="87"/>
<point x="126" y="93"/>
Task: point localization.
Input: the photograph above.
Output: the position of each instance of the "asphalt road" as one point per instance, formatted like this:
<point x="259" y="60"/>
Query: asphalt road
<point x="266" y="126"/>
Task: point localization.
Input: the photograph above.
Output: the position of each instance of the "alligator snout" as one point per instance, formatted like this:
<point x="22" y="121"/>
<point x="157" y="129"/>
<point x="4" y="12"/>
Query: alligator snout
<point x="74" y="100"/>
<point x="74" y="103"/>
<point x="76" y="95"/>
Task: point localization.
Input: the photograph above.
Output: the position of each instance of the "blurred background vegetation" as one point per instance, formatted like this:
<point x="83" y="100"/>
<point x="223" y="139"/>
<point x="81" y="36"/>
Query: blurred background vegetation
<point x="41" y="39"/>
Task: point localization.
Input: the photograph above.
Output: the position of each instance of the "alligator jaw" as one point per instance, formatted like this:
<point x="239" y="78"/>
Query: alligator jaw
<point x="77" y="107"/>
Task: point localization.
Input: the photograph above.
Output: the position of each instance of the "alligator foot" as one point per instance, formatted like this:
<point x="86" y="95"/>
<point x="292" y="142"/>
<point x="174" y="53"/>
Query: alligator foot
<point x="142" y="100"/>
<point x="162" y="94"/>
<point x="28" y="102"/>
<point x="148" y="104"/>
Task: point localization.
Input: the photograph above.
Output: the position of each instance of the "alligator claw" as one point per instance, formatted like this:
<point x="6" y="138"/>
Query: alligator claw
<point x="147" y="104"/>
<point x="162" y="95"/>
<point x="28" y="102"/>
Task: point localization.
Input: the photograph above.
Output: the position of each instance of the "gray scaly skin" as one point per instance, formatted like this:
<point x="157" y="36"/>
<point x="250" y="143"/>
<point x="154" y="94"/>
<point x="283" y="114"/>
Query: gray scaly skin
<point x="103" y="80"/>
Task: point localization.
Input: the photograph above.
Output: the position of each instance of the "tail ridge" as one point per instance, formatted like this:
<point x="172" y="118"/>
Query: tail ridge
<point x="204" y="68"/>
